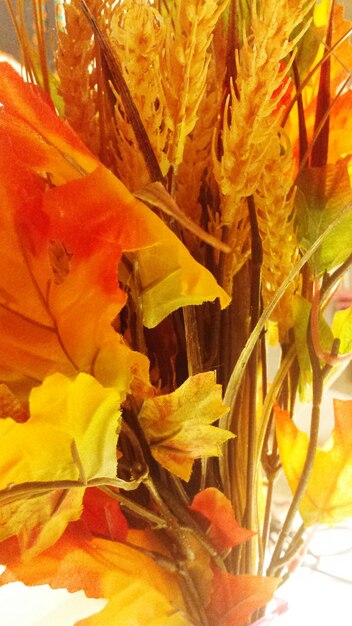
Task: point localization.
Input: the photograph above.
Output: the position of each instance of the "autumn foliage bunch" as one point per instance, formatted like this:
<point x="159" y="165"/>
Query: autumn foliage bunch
<point x="175" y="196"/>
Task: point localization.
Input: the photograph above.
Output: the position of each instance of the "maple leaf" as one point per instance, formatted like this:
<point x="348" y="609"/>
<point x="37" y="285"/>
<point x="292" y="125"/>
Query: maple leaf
<point x="224" y="531"/>
<point x="55" y="308"/>
<point x="93" y="217"/>
<point x="72" y="430"/>
<point x="178" y="425"/>
<point x="137" y="589"/>
<point x="235" y="598"/>
<point x="327" y="498"/>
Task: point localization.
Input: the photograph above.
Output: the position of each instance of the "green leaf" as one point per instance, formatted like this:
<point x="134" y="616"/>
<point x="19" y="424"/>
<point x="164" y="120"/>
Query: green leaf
<point x="324" y="193"/>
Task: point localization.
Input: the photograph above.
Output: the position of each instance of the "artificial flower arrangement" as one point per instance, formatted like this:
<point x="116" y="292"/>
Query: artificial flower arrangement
<point x="175" y="195"/>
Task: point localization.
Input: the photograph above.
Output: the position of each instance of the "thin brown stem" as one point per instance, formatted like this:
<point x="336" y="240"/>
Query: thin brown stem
<point x="39" y="27"/>
<point x="37" y="488"/>
<point x="194" y="356"/>
<point x="319" y="375"/>
<point x="331" y="280"/>
<point x="323" y="120"/>
<point x="174" y="529"/>
<point x="257" y="258"/>
<point x="267" y="521"/>
<point x="187" y="521"/>
<point x="295" y="544"/>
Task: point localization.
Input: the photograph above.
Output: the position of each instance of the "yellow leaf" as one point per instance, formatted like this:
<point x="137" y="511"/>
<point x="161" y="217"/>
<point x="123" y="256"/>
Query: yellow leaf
<point x="36" y="523"/>
<point x="139" y="591"/>
<point x="72" y="429"/>
<point x="327" y="498"/>
<point x="178" y="425"/>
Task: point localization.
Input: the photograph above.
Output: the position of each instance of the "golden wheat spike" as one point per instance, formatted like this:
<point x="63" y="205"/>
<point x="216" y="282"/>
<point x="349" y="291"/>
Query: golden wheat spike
<point x="194" y="174"/>
<point x="185" y="61"/>
<point x="274" y="201"/>
<point x="248" y="118"/>
<point x="136" y="34"/>
<point x="250" y="124"/>
<point x="76" y="67"/>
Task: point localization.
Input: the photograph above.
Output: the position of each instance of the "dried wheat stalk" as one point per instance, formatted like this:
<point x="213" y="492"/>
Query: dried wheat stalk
<point x="250" y="121"/>
<point x="274" y="200"/>
<point x="196" y="188"/>
<point x="190" y="25"/>
<point x="76" y="67"/>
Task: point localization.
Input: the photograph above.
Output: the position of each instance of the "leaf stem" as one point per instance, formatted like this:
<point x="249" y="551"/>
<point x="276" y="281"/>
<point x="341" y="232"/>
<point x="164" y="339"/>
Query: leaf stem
<point x="13" y="493"/>
<point x="189" y="523"/>
<point x="149" y="516"/>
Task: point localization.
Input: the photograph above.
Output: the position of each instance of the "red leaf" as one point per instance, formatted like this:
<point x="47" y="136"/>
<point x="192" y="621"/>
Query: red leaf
<point x="103" y="515"/>
<point x="224" y="532"/>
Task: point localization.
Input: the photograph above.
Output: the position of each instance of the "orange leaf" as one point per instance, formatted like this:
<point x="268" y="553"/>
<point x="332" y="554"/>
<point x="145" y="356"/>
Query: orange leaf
<point x="98" y="213"/>
<point x="139" y="591"/>
<point x="224" y="531"/>
<point x="26" y="103"/>
<point x="169" y="276"/>
<point x="327" y="498"/>
<point x="235" y="598"/>
<point x="55" y="307"/>
<point x="177" y="425"/>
